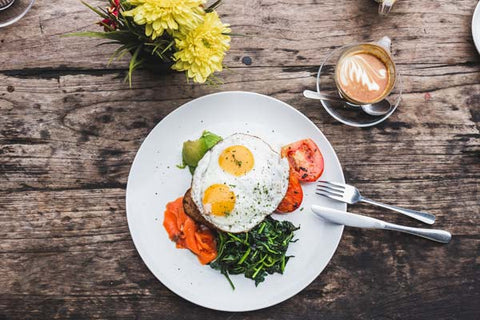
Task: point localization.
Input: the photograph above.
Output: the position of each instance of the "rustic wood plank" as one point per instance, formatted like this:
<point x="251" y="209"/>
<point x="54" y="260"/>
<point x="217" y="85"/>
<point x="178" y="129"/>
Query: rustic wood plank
<point x="281" y="33"/>
<point x="111" y="282"/>
<point x="79" y="124"/>
<point x="69" y="129"/>
<point x="61" y="147"/>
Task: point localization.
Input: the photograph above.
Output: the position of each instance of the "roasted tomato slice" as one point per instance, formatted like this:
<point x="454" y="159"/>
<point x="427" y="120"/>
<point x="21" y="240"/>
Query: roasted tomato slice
<point x="294" y="196"/>
<point x="305" y="159"/>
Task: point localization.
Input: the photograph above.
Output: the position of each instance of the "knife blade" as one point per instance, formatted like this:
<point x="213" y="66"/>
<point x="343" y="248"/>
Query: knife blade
<point x="359" y="221"/>
<point x="347" y="219"/>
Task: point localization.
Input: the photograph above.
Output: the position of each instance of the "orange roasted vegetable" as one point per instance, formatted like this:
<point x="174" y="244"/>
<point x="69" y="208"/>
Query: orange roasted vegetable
<point x="294" y="196"/>
<point x="186" y="233"/>
<point x="305" y="159"/>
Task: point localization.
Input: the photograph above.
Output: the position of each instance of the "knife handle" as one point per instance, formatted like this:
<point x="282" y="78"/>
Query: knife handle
<point x="425" y="217"/>
<point x="432" y="234"/>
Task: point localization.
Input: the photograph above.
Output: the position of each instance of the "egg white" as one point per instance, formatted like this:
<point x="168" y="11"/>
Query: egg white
<point x="258" y="193"/>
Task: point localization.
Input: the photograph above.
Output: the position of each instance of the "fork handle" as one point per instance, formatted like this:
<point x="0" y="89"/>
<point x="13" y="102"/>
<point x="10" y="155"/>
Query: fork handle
<point x="421" y="216"/>
<point x="432" y="234"/>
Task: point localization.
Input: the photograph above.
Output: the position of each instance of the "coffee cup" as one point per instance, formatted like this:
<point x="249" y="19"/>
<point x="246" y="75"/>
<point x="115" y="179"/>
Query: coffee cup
<point x="365" y="73"/>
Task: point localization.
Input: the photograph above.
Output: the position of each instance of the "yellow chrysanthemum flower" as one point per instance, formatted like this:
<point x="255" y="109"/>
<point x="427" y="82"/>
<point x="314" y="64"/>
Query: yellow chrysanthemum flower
<point x="200" y="51"/>
<point x="161" y="15"/>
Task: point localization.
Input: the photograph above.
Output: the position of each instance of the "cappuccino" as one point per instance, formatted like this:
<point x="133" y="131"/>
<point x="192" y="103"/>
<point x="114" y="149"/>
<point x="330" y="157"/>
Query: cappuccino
<point x="365" y="74"/>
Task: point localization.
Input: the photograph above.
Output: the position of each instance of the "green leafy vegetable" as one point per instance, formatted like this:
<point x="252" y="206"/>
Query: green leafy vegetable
<point x="194" y="150"/>
<point x="257" y="253"/>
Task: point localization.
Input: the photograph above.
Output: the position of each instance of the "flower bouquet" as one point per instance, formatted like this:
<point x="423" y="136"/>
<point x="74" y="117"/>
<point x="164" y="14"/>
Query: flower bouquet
<point x="182" y="35"/>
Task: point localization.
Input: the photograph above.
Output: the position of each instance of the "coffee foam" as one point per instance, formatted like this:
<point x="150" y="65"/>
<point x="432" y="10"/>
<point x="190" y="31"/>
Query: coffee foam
<point x="356" y="69"/>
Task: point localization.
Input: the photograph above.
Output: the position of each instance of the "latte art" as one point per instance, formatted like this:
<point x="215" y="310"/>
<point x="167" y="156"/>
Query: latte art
<point x="363" y="77"/>
<point x="358" y="69"/>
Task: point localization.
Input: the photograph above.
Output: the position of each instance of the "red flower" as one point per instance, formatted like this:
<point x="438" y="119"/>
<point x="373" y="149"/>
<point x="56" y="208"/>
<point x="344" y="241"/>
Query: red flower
<point x="113" y="11"/>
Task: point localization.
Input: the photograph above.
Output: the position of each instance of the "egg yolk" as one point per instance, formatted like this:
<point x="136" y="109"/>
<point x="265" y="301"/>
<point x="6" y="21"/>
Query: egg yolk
<point x="236" y="160"/>
<point x="219" y="200"/>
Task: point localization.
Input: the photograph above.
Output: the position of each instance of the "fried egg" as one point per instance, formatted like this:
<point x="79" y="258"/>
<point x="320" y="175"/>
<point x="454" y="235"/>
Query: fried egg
<point x="239" y="182"/>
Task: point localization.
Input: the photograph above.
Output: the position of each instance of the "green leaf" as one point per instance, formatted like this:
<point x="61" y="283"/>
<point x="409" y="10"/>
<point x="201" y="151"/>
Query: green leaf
<point x="105" y="43"/>
<point x="118" y="54"/>
<point x="97" y="11"/>
<point x="134" y="64"/>
<point x="213" y="6"/>
<point x="91" y="34"/>
<point x="168" y="47"/>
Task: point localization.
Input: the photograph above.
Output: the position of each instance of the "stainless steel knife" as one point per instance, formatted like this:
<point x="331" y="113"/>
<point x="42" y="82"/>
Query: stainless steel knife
<point x="359" y="221"/>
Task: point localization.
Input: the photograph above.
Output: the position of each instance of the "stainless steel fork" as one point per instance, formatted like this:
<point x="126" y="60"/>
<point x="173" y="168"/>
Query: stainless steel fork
<point x="350" y="194"/>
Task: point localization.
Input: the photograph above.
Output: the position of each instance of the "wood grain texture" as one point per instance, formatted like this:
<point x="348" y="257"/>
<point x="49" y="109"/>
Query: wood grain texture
<point x="69" y="130"/>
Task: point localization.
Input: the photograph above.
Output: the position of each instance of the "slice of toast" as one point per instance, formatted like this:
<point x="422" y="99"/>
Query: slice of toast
<point x="192" y="211"/>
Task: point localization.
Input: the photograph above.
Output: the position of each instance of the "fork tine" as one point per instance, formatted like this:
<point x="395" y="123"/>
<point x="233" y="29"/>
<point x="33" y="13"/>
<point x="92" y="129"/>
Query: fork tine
<point x="336" y="184"/>
<point x="330" y="190"/>
<point x="329" y="195"/>
<point x="329" y="185"/>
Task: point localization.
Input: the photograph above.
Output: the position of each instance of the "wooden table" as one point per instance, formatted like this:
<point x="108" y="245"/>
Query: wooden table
<point x="69" y="130"/>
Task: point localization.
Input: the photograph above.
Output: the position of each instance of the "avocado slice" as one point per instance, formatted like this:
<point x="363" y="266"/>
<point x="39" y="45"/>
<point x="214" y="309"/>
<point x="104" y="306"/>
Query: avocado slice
<point x="194" y="150"/>
<point x="210" y="139"/>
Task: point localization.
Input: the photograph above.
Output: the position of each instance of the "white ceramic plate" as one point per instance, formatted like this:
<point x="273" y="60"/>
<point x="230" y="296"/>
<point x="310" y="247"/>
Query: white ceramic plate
<point x="476" y="27"/>
<point x="155" y="180"/>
